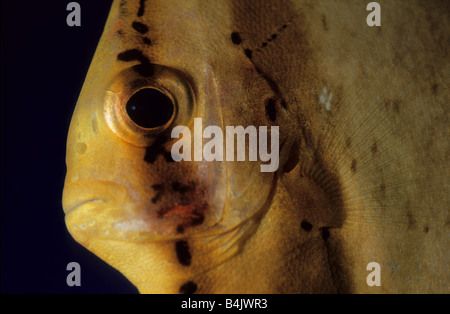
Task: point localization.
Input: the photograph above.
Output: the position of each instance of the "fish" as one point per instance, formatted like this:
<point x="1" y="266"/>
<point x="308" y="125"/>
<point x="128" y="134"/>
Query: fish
<point x="363" y="133"/>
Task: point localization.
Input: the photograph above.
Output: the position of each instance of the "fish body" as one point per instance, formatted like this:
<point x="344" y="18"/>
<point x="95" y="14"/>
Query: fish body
<point x="363" y="147"/>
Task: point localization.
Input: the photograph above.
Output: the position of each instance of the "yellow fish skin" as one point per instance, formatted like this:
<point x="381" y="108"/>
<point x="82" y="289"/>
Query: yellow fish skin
<point x="363" y="136"/>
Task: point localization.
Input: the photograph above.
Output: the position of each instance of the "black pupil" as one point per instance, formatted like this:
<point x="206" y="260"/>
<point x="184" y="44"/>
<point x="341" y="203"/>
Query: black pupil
<point x="149" y="108"/>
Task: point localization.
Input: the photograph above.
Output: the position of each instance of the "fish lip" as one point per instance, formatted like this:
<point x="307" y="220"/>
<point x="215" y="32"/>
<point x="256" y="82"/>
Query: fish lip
<point x="80" y="203"/>
<point x="82" y="193"/>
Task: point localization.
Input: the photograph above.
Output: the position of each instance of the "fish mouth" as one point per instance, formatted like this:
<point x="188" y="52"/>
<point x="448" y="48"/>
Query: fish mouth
<point x="92" y="207"/>
<point x="106" y="209"/>
<point x="81" y="195"/>
<point x="76" y="205"/>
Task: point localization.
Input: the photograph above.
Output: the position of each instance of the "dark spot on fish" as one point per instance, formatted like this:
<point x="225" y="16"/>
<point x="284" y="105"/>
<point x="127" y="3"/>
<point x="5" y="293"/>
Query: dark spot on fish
<point x="348" y="142"/>
<point x="145" y="68"/>
<point x="183" y="254"/>
<point x="147" y="41"/>
<point x="411" y="220"/>
<point x="236" y="38"/>
<point x="131" y="55"/>
<point x="325" y="233"/>
<point x="353" y="166"/>
<point x="383" y="189"/>
<point x="141" y="8"/>
<point x="284" y="26"/>
<point x="396" y="105"/>
<point x="158" y="188"/>
<point x="274" y="36"/>
<point x="271" y="110"/>
<point x="264" y="44"/>
<point x="197" y="220"/>
<point x="393" y="104"/>
<point x="119" y="33"/>
<point x="123" y="10"/>
<point x="168" y="157"/>
<point x="179" y="187"/>
<point x="141" y="28"/>
<point x="324" y="22"/>
<point x="374" y="148"/>
<point x="248" y="53"/>
<point x="155" y="149"/>
<point x="426" y="229"/>
<point x="188" y="288"/>
<point x="156" y="198"/>
<point x="180" y="229"/>
<point x="306" y="226"/>
<point x="434" y="89"/>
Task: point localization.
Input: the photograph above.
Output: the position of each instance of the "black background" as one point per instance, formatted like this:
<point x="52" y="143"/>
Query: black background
<point x="43" y="66"/>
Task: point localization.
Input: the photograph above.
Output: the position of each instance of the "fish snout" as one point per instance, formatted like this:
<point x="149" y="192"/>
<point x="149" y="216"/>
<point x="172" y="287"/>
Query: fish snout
<point x="92" y="209"/>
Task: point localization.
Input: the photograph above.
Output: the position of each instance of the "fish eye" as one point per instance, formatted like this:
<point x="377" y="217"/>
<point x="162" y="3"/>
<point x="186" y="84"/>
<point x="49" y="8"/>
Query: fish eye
<point x="149" y="108"/>
<point x="139" y="108"/>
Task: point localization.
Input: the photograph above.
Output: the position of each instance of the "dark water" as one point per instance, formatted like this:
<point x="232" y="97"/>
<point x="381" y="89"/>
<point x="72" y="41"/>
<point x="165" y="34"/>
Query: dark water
<point x="43" y="65"/>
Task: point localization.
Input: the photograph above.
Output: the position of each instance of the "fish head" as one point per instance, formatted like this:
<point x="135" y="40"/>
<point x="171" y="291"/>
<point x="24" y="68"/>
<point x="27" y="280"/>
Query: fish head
<point x="125" y="198"/>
